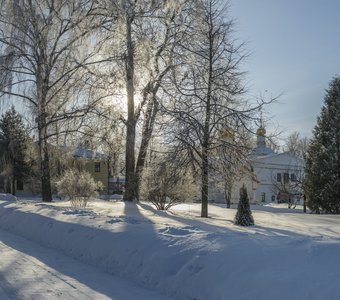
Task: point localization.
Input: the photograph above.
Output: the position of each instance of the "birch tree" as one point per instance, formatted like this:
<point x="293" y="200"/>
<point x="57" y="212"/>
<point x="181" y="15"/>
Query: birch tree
<point x="230" y="164"/>
<point x="146" y="35"/>
<point x="296" y="145"/>
<point x="43" y="58"/>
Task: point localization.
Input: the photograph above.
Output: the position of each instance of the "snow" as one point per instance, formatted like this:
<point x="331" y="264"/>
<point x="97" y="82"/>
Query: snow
<point x="34" y="272"/>
<point x="7" y="197"/>
<point x="87" y="153"/>
<point x="286" y="255"/>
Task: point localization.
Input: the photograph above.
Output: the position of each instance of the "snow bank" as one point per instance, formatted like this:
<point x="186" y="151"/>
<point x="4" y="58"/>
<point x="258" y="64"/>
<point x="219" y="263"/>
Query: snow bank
<point x="186" y="257"/>
<point x="7" y="197"/>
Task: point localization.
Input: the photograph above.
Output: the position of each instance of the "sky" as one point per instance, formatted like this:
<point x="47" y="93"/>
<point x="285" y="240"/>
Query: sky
<point x="295" y="51"/>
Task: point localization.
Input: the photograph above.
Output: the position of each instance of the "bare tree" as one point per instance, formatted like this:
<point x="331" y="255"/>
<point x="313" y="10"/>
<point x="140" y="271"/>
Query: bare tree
<point x="208" y="88"/>
<point x="230" y="164"/>
<point x="166" y="182"/>
<point x="43" y="56"/>
<point x="288" y="185"/>
<point x="169" y="34"/>
<point x="296" y="145"/>
<point x="104" y="132"/>
<point x="146" y="37"/>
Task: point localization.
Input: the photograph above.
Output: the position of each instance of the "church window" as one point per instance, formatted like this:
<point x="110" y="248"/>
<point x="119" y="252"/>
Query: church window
<point x="278" y="177"/>
<point x="285" y="178"/>
<point x="293" y="177"/>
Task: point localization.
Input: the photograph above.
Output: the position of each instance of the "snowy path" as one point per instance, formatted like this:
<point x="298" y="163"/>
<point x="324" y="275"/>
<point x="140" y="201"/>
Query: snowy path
<point x="29" y="271"/>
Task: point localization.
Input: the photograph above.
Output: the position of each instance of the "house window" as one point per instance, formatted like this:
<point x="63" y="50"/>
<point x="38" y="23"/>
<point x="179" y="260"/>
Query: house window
<point x="97" y="167"/>
<point x="263" y="197"/>
<point x="285" y="178"/>
<point x="278" y="177"/>
<point x="293" y="177"/>
<point x="273" y="198"/>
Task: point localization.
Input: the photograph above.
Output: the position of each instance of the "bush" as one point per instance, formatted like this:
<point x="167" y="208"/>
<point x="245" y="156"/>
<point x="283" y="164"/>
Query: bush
<point x="165" y="185"/>
<point x="78" y="187"/>
<point x="7" y="197"/>
<point x="244" y="216"/>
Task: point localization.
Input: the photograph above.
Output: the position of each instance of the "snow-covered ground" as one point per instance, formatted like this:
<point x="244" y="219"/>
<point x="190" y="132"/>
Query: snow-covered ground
<point x="286" y="255"/>
<point x="30" y="271"/>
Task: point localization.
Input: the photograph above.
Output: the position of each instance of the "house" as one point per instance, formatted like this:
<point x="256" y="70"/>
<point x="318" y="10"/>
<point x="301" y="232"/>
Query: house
<point x="61" y="158"/>
<point x="93" y="162"/>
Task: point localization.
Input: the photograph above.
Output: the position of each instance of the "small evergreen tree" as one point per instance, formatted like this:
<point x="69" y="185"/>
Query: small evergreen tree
<point x="244" y="216"/>
<point x="14" y="139"/>
<point x="322" y="184"/>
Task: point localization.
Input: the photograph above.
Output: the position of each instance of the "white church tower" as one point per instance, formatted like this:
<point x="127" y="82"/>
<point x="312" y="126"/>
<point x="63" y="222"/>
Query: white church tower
<point x="261" y="145"/>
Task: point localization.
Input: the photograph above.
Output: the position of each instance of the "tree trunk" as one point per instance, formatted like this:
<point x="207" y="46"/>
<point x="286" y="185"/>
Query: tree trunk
<point x="8" y="189"/>
<point x="206" y="137"/>
<point x="130" y="182"/>
<point x="228" y="196"/>
<point x="205" y="186"/>
<point x="46" y="191"/>
<point x="13" y="186"/>
<point x="205" y="162"/>
<point x="227" y="192"/>
<point x="148" y="125"/>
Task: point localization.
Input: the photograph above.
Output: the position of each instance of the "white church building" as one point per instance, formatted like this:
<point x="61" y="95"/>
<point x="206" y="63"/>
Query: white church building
<point x="274" y="177"/>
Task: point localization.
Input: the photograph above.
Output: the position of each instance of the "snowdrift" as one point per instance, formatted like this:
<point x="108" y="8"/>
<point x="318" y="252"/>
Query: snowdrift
<point x="7" y="197"/>
<point x="285" y="256"/>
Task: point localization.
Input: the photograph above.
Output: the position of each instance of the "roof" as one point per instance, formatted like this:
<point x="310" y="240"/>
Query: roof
<point x="262" y="151"/>
<point x="284" y="157"/>
<point x="87" y="153"/>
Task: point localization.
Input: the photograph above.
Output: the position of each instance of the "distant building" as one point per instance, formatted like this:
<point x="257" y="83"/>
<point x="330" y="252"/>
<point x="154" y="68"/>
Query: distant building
<point x="274" y="177"/>
<point x="62" y="158"/>
<point x="116" y="185"/>
<point x="95" y="163"/>
<point x="277" y="177"/>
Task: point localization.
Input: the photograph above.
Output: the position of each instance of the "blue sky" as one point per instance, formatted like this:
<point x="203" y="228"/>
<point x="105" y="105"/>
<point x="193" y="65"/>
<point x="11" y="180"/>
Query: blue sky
<point x="295" y="47"/>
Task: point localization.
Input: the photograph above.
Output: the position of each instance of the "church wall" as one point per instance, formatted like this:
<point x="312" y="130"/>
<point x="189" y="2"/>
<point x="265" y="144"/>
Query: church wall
<point x="266" y="172"/>
<point x="262" y="185"/>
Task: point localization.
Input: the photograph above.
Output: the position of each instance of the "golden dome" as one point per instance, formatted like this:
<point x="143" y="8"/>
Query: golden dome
<point x="261" y="131"/>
